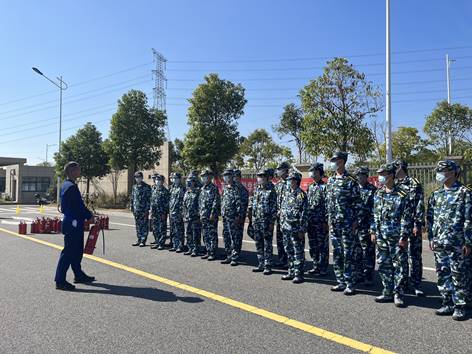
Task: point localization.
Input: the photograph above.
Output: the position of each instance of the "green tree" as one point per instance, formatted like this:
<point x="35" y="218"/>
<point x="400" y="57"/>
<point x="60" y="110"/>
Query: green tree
<point x="212" y="139"/>
<point x="291" y="124"/>
<point x="452" y="121"/>
<point x="86" y="148"/>
<point x="136" y="133"/>
<point x="336" y="106"/>
<point x="259" y="149"/>
<point x="178" y="162"/>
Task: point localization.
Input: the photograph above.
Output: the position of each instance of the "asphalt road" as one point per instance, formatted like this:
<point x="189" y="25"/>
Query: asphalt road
<point x="156" y="301"/>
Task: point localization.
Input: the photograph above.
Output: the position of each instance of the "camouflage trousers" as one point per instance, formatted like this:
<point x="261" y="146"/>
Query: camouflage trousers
<point x="193" y="232"/>
<point x="318" y="244"/>
<point x="344" y="242"/>
<point x="159" y="229"/>
<point x="392" y="261"/>
<point x="263" y="237"/>
<point x="282" y="255"/>
<point x="231" y="239"/>
<point x="177" y="232"/>
<point x="210" y="236"/>
<point x="452" y="275"/>
<point x="468" y="272"/>
<point x="295" y="249"/>
<point x="415" y="250"/>
<point x="364" y="254"/>
<point x="142" y="225"/>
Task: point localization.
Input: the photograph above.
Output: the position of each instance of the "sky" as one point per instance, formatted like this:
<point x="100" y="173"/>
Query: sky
<point x="273" y="48"/>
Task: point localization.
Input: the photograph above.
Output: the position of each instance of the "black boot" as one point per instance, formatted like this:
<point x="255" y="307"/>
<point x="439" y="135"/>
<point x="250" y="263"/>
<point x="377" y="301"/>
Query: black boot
<point x="85" y="279"/>
<point x="459" y="313"/>
<point x="65" y="286"/>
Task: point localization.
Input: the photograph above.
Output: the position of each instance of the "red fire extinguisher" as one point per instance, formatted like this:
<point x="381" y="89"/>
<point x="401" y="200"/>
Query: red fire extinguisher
<point x="22" y="228"/>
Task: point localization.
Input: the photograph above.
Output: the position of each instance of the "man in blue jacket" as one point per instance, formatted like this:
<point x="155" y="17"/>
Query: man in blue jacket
<point x="75" y="213"/>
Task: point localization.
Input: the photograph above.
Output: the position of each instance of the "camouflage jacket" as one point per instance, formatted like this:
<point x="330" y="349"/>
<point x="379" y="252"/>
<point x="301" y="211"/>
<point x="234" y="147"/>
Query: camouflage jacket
<point x="264" y="205"/>
<point x="294" y="212"/>
<point x="342" y="198"/>
<point x="366" y="212"/>
<point x="392" y="214"/>
<point x="244" y="196"/>
<point x="191" y="211"/>
<point x="414" y="189"/>
<point x="231" y="202"/>
<point x="281" y="188"/>
<point x="176" y="201"/>
<point x="209" y="202"/>
<point x="159" y="200"/>
<point x="317" y="202"/>
<point x="141" y="198"/>
<point x="449" y="216"/>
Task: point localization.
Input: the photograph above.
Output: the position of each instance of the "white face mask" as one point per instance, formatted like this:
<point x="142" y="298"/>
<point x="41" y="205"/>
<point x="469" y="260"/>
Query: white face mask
<point x="260" y="180"/>
<point x="312" y="174"/>
<point x="158" y="182"/>
<point x="382" y="180"/>
<point x="333" y="165"/>
<point x="441" y="177"/>
<point x="205" y="179"/>
<point x="139" y="179"/>
<point x="226" y="179"/>
<point x="280" y="173"/>
<point x="177" y="181"/>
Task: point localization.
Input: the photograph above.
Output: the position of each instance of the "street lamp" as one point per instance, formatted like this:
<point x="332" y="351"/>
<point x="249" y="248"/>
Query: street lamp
<point x="62" y="86"/>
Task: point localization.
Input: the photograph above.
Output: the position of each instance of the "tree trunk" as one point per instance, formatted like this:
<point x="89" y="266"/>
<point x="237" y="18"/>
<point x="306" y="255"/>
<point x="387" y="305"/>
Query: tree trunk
<point x="87" y="192"/>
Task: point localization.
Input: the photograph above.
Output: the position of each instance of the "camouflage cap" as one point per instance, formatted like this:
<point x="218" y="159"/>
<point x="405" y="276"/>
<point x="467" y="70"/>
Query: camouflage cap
<point x="237" y="172"/>
<point x="283" y="166"/>
<point x="339" y="155"/>
<point x="191" y="177"/>
<point x="447" y="165"/>
<point x="176" y="175"/>
<point x="362" y="171"/>
<point x="155" y="175"/>
<point x="270" y="172"/>
<point x="317" y="166"/>
<point x="138" y="174"/>
<point x="228" y="172"/>
<point x="262" y="173"/>
<point x="400" y="163"/>
<point x="294" y="175"/>
<point x="389" y="168"/>
<point x="206" y="172"/>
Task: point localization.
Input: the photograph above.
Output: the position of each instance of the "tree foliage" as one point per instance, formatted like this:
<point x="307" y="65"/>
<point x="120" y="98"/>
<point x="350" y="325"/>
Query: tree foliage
<point x="336" y="106"/>
<point x="212" y="139"/>
<point x="291" y="124"/>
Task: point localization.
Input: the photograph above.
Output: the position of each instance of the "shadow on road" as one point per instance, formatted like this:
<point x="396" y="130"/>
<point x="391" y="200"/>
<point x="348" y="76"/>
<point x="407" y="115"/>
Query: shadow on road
<point x="152" y="294"/>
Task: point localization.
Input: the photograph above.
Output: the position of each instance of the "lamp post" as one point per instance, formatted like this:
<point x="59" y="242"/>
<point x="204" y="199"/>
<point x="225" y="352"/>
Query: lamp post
<point x="388" y="93"/>
<point x="61" y="86"/>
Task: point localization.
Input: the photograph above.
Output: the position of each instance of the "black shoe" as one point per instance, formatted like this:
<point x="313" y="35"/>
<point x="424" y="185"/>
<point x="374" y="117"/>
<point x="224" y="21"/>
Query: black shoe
<point x="205" y="256"/>
<point x="179" y="250"/>
<point x="172" y="249"/>
<point x="142" y="244"/>
<point x="445" y="310"/>
<point x="65" y="286"/>
<point x="211" y="258"/>
<point x="459" y="313"/>
<point x="136" y="244"/>
<point x="287" y="277"/>
<point x="194" y="254"/>
<point x="267" y="271"/>
<point x="234" y="263"/>
<point x="298" y="279"/>
<point x="398" y="300"/>
<point x="153" y="243"/>
<point x="338" y="288"/>
<point x="349" y="291"/>
<point x="188" y="253"/>
<point x="384" y="299"/>
<point x="160" y="248"/>
<point x="154" y="246"/>
<point x="258" y="269"/>
<point x="226" y="261"/>
<point x="314" y="271"/>
<point x="84" y="280"/>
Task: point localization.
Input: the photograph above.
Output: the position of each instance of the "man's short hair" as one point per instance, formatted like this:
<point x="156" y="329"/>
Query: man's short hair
<point x="69" y="167"/>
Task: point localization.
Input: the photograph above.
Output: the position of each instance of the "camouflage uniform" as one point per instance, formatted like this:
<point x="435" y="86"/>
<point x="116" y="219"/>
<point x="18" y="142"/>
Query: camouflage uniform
<point x="294" y="222"/>
<point x="413" y="188"/>
<point x="209" y="206"/>
<point x="192" y="219"/>
<point x="392" y="222"/>
<point x="176" y="216"/>
<point x="318" y="240"/>
<point x="159" y="207"/>
<point x="280" y="188"/>
<point x="449" y="219"/>
<point x="263" y="211"/>
<point x="366" y="248"/>
<point x="231" y="212"/>
<point x="140" y="205"/>
<point x="343" y="202"/>
<point x="244" y="197"/>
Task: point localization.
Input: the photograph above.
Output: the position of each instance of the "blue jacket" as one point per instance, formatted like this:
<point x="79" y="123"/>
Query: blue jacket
<point x="73" y="208"/>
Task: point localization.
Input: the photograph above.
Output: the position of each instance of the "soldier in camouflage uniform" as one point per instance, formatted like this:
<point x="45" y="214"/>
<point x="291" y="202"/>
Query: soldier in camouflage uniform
<point x="176" y="219"/>
<point x="390" y="228"/>
<point x="244" y="197"/>
<point x="231" y="214"/>
<point x="365" y="254"/>
<point x="318" y="240"/>
<point x="140" y="204"/>
<point x="343" y="202"/>
<point x="294" y="223"/>
<point x="192" y="217"/>
<point x="159" y="211"/>
<point x="413" y="188"/>
<point x="262" y="216"/>
<point x="209" y="204"/>
<point x="449" y="219"/>
<point x="280" y="188"/>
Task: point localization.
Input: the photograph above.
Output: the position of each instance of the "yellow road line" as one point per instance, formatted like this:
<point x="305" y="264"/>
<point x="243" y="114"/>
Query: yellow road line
<point x="305" y="327"/>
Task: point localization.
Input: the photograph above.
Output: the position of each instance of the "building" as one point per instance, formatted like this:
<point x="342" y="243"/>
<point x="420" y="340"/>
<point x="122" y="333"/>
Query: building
<point x="20" y="182"/>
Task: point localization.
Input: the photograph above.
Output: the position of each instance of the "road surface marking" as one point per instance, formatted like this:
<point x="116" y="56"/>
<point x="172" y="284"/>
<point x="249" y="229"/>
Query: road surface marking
<point x="305" y="327"/>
